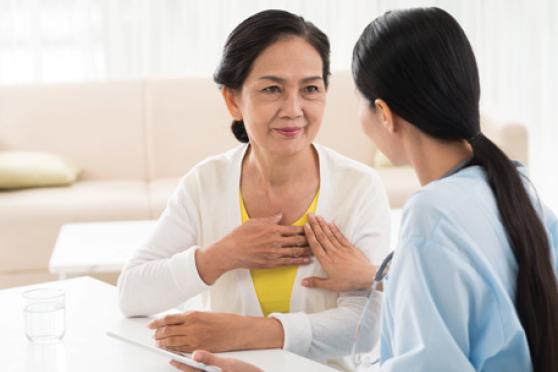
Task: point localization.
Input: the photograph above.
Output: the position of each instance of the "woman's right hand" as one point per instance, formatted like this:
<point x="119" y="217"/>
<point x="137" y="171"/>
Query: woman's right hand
<point x="209" y="359"/>
<point x="260" y="243"/>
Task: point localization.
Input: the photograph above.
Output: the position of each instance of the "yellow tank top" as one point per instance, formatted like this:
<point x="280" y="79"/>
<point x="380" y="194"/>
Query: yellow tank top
<point x="273" y="286"/>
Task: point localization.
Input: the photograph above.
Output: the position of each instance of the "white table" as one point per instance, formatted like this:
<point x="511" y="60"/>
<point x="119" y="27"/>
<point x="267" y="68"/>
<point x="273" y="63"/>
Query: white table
<point x="91" y="309"/>
<point x="83" y="248"/>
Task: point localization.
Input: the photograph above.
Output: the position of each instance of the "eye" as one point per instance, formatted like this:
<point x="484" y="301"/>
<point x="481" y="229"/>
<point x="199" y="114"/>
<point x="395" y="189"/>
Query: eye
<point x="311" y="89"/>
<point x="272" y="89"/>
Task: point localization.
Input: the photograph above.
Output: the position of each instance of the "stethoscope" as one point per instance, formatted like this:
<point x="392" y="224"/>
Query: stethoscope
<point x="358" y="359"/>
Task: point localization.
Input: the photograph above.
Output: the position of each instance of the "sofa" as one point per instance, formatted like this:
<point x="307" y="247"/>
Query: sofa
<point x="133" y="141"/>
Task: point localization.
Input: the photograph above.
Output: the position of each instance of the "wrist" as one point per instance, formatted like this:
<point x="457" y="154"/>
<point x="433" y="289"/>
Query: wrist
<point x="209" y="264"/>
<point x="366" y="277"/>
<point x="263" y="333"/>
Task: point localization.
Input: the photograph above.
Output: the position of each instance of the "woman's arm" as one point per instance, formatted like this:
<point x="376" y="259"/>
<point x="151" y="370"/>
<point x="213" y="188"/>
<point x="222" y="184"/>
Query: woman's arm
<point x="216" y="332"/>
<point x="162" y="274"/>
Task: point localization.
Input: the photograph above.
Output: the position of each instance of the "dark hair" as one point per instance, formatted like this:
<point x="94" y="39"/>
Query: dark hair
<point x="251" y="37"/>
<point x="420" y="62"/>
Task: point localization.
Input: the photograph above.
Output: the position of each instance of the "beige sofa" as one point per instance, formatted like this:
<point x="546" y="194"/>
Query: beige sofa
<point x="134" y="140"/>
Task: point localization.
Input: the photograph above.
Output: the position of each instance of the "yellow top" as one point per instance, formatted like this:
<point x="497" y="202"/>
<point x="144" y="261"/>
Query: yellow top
<point x="273" y="286"/>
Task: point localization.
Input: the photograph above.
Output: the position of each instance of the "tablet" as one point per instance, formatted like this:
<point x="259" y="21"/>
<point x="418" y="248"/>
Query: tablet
<point x="179" y="357"/>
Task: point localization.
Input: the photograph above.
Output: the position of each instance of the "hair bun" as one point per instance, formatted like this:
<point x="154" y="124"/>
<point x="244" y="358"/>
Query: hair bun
<point x="239" y="131"/>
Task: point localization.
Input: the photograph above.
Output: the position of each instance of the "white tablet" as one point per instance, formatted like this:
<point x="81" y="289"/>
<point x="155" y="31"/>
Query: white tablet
<point x="180" y="357"/>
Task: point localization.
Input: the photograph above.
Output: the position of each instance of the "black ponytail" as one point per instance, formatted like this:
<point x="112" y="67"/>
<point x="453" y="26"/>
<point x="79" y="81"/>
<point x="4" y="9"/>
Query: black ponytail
<point x="420" y="62"/>
<point x="536" y="289"/>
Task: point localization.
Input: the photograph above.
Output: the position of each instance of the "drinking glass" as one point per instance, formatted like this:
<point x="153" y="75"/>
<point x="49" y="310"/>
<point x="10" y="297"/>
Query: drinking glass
<point x="44" y="312"/>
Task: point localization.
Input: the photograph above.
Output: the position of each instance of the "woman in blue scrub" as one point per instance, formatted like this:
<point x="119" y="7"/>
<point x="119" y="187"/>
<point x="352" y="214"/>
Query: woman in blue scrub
<point x="473" y="283"/>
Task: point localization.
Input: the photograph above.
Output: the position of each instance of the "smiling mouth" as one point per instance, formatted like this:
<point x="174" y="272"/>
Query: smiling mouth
<point x="288" y="132"/>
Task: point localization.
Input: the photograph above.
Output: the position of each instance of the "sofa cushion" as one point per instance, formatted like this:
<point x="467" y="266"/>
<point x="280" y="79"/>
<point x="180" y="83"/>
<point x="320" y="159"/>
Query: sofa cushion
<point x="22" y="169"/>
<point x="31" y="219"/>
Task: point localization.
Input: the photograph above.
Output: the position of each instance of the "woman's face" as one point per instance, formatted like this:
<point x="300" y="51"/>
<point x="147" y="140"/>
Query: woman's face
<point x="374" y="125"/>
<point x="283" y="98"/>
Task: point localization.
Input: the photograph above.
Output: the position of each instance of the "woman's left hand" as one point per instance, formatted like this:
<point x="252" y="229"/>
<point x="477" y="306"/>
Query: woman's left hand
<point x="347" y="268"/>
<point x="194" y="330"/>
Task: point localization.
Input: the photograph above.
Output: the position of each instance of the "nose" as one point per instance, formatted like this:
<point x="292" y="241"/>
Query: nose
<point x="292" y="106"/>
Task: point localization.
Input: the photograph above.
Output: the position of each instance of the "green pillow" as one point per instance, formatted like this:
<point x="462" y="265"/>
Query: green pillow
<point x="22" y="169"/>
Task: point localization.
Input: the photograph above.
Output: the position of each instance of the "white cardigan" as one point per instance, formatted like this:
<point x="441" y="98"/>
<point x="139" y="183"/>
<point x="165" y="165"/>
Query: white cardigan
<point x="205" y="207"/>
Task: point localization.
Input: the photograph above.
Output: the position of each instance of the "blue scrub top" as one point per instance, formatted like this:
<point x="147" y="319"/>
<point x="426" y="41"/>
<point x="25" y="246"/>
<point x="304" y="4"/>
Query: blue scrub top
<point x="449" y="297"/>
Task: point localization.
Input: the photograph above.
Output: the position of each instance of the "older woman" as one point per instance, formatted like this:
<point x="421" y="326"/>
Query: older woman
<point x="233" y="230"/>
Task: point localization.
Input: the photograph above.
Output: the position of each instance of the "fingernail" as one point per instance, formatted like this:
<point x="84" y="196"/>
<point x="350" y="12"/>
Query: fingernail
<point x="304" y="282"/>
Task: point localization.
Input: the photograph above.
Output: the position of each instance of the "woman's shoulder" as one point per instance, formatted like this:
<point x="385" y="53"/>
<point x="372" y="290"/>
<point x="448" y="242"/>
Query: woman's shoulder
<point x="452" y="189"/>
<point x="463" y="194"/>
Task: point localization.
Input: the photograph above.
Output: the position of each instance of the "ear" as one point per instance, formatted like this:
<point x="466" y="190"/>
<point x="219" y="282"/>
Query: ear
<point x="386" y="116"/>
<point x="231" y="101"/>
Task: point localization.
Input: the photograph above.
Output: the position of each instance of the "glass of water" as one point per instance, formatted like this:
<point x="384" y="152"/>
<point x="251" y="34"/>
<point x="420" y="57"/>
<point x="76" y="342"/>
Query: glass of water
<point x="44" y="310"/>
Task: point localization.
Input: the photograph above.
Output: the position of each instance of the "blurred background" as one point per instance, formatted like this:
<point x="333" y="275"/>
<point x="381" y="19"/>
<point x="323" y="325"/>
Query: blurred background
<point x="63" y="42"/>
<point x="515" y="41"/>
